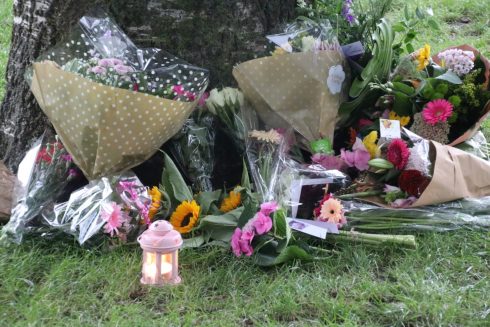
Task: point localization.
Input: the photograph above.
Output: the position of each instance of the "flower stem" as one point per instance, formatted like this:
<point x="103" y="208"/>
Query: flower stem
<point x="359" y="195"/>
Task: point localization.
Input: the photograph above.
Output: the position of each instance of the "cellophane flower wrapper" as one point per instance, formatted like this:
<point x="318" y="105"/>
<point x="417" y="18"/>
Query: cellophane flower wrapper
<point x="113" y="104"/>
<point x="454" y="174"/>
<point x="302" y="87"/>
<point x="302" y="186"/>
<point x="470" y="213"/>
<point x="41" y="178"/>
<point x="81" y="215"/>
<point x="265" y="149"/>
<point x="193" y="150"/>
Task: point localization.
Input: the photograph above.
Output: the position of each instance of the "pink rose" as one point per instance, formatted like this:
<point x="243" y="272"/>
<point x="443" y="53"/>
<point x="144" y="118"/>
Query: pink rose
<point x="268" y="207"/>
<point x="262" y="223"/>
<point x="106" y="62"/>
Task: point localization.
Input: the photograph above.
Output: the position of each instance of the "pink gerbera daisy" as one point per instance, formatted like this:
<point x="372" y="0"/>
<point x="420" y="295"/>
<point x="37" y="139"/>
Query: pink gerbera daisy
<point x="398" y="153"/>
<point x="114" y="217"/>
<point x="436" y="111"/>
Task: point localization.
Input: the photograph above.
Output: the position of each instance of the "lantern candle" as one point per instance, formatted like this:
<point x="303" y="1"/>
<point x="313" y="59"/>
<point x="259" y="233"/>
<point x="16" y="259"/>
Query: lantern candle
<point x="160" y="244"/>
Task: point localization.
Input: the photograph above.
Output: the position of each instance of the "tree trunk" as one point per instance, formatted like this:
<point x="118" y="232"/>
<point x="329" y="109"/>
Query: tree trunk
<point x="214" y="34"/>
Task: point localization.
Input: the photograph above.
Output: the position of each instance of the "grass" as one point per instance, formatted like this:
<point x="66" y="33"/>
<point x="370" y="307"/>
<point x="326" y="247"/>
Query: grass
<point x="445" y="282"/>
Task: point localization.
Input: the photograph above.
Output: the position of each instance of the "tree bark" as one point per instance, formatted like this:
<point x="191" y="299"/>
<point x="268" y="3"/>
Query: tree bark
<point x="215" y="34"/>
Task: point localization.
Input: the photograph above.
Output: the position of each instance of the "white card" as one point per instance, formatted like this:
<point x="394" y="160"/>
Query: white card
<point x="353" y="49"/>
<point x="296" y="187"/>
<point x="318" y="229"/>
<point x="390" y="129"/>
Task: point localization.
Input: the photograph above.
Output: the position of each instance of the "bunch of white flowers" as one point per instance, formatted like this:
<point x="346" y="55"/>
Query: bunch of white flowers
<point x="228" y="98"/>
<point x="458" y="61"/>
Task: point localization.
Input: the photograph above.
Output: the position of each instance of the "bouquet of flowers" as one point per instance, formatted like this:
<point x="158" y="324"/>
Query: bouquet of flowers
<point x="193" y="149"/>
<point x="301" y="85"/>
<point x="113" y="104"/>
<point x="444" y="99"/>
<point x="120" y="207"/>
<point x="42" y="176"/>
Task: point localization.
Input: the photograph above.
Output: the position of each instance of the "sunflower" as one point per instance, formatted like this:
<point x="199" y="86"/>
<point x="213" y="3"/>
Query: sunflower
<point x="156" y="198"/>
<point x="185" y="216"/>
<point x="232" y="201"/>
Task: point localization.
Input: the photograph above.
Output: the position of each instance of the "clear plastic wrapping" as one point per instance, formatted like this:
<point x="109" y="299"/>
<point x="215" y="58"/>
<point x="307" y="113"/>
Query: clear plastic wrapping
<point x="89" y="211"/>
<point x="466" y="213"/>
<point x="42" y="175"/>
<point x="113" y="104"/>
<point x="302" y="84"/>
<point x="193" y="150"/>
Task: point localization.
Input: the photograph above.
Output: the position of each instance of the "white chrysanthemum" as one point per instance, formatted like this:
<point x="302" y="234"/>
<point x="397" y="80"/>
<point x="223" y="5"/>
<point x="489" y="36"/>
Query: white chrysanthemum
<point x="458" y="61"/>
<point x="271" y="136"/>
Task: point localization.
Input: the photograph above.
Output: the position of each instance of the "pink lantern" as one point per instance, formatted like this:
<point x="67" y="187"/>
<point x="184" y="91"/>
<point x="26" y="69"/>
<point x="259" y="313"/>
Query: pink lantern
<point x="160" y="244"/>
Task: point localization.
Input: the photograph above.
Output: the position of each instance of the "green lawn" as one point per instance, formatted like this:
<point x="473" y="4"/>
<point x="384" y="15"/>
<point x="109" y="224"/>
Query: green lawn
<point x="445" y="282"/>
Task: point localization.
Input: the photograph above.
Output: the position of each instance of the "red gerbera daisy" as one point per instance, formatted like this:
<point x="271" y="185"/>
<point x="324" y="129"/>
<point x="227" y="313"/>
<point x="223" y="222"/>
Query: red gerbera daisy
<point x="398" y="153"/>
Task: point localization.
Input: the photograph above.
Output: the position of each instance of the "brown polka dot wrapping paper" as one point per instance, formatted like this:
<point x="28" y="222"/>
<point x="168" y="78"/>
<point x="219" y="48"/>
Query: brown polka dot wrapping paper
<point x="302" y="90"/>
<point x="107" y="130"/>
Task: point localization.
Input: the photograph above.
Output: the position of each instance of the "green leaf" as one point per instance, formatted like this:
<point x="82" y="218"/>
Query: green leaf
<point x="402" y="104"/>
<point x="409" y="47"/>
<point x="398" y="28"/>
<point x="450" y="77"/>
<point x="245" y="177"/>
<point x="206" y="199"/>
<point x="406" y="13"/>
<point x="404" y="88"/>
<point x="174" y="183"/>
<point x="281" y="227"/>
<point x="248" y="213"/>
<point x="420" y="14"/>
<point x="433" y="24"/>
<point x="289" y="253"/>
<point x="220" y="227"/>
<point x="194" y="242"/>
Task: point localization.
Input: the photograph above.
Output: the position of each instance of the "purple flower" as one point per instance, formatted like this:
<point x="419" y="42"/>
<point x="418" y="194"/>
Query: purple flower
<point x="106" y="62"/>
<point x="72" y="173"/>
<point x="268" y="207"/>
<point x="404" y="203"/>
<point x="348" y="12"/>
<point x="328" y="161"/>
<point x="122" y="69"/>
<point x="358" y="158"/>
<point x="261" y="223"/>
<point x="99" y="70"/>
<point x="66" y="157"/>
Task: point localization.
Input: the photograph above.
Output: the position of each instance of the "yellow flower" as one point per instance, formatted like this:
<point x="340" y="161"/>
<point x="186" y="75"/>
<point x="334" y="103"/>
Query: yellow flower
<point x="156" y="199"/>
<point x="370" y="143"/>
<point x="232" y="201"/>
<point x="423" y="57"/>
<point x="404" y="120"/>
<point x="185" y="216"/>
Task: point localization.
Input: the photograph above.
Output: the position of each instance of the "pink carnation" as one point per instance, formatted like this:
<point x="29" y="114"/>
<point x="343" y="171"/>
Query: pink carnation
<point x="122" y="69"/>
<point x="436" y="111"/>
<point x="241" y="242"/>
<point x="98" y="70"/>
<point x="268" y="207"/>
<point x="261" y="223"/>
